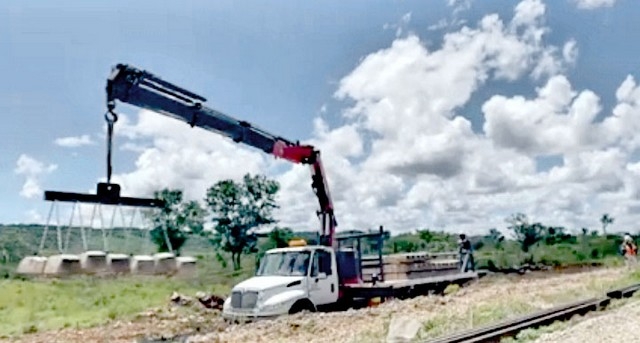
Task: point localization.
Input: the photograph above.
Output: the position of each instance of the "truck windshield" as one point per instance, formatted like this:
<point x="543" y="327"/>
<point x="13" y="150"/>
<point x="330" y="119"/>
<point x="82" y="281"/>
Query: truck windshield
<point x="290" y="263"/>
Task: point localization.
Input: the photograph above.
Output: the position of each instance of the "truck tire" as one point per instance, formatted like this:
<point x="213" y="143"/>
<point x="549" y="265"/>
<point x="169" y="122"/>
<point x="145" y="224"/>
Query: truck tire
<point x="302" y="305"/>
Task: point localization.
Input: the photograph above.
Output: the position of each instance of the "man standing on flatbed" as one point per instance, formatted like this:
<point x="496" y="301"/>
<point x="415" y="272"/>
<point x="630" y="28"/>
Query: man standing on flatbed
<point x="466" y="254"/>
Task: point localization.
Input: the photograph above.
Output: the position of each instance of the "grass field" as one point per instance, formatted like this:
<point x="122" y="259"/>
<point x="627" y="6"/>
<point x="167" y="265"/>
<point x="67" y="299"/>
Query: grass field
<point x="32" y="305"/>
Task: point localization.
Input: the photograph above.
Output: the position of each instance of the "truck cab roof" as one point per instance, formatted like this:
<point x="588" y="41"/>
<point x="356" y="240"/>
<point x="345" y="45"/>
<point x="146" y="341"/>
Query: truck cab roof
<point x="295" y="249"/>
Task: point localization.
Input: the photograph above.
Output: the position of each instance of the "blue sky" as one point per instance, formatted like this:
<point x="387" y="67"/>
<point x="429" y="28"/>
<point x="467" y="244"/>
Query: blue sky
<point x="279" y="65"/>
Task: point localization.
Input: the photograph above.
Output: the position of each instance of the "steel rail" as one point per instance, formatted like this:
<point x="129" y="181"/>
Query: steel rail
<point x="510" y="327"/>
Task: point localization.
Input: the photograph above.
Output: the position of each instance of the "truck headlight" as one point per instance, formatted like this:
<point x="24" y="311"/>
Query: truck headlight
<point x="272" y="307"/>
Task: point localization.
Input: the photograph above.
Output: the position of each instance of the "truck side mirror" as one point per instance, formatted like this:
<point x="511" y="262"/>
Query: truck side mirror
<point x="322" y="276"/>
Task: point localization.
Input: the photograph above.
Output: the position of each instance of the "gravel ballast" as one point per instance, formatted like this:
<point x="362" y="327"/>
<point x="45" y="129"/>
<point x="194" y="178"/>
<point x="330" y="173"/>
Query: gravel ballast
<point x="619" y="325"/>
<point x="486" y="301"/>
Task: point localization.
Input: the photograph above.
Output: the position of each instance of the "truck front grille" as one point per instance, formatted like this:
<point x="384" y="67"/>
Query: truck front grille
<point x="244" y="299"/>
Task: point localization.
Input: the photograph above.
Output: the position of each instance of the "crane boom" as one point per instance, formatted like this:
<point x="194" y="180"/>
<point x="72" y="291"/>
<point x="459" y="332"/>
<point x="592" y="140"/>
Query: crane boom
<point x="143" y="89"/>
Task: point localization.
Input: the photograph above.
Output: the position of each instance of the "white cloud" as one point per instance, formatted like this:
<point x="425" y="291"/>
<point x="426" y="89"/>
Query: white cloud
<point x="458" y="6"/>
<point x="558" y="120"/>
<point x="406" y="158"/>
<point x="570" y="52"/>
<point x="74" y="141"/>
<point x="593" y="4"/>
<point x="32" y="169"/>
<point x="180" y="156"/>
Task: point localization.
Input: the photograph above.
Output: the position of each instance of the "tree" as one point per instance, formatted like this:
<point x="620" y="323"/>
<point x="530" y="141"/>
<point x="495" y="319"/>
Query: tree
<point x="175" y="221"/>
<point x="526" y="234"/>
<point x="496" y="237"/>
<point x="237" y="208"/>
<point x="554" y="235"/>
<point x="436" y="241"/>
<point x="426" y="235"/>
<point x="277" y="238"/>
<point x="280" y="237"/>
<point x="605" y="220"/>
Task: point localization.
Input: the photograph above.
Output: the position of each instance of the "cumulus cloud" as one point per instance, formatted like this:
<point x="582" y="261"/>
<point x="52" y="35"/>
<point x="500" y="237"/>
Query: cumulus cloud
<point x="74" y="141"/>
<point x="593" y="4"/>
<point x="558" y="120"/>
<point x="175" y="155"/>
<point x="407" y="158"/>
<point x="32" y="170"/>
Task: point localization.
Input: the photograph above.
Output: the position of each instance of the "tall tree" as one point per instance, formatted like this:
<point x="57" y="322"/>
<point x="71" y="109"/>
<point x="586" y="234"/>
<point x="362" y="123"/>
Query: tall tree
<point x="237" y="208"/>
<point x="606" y="219"/>
<point x="176" y="220"/>
<point x="526" y="234"/>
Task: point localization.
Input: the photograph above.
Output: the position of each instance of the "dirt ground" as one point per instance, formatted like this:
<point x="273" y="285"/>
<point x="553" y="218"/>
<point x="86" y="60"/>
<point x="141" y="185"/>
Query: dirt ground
<point x="436" y="314"/>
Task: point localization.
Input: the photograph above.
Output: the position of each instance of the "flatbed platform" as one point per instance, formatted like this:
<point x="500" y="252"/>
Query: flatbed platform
<point x="408" y="288"/>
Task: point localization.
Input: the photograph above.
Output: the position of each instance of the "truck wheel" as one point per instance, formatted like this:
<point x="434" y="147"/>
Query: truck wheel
<point x="302" y="305"/>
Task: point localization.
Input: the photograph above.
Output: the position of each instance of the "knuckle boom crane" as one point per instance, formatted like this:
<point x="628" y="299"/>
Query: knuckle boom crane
<point x="143" y="89"/>
<point x="291" y="279"/>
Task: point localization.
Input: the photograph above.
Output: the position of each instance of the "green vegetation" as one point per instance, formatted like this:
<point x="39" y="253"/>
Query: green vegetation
<point x="28" y="306"/>
<point x="530" y="243"/>
<point x="173" y="224"/>
<point x="238" y="208"/>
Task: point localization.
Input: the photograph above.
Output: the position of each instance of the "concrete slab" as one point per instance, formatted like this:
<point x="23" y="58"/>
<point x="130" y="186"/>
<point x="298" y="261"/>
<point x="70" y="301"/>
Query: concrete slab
<point x="31" y="265"/>
<point x="165" y="263"/>
<point x="142" y="265"/>
<point x="118" y="263"/>
<point x="186" y="266"/>
<point x="93" y="261"/>
<point x="63" y="264"/>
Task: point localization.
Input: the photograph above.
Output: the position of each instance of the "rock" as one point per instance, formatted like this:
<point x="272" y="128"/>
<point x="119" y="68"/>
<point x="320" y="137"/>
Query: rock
<point x="402" y="329"/>
<point x="211" y="301"/>
<point x="180" y="299"/>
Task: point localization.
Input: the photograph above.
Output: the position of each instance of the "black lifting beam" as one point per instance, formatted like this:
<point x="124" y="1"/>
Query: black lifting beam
<point x="107" y="194"/>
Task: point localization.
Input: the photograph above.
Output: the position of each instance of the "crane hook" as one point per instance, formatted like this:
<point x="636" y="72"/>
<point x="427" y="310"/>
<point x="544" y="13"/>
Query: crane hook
<point x="110" y="117"/>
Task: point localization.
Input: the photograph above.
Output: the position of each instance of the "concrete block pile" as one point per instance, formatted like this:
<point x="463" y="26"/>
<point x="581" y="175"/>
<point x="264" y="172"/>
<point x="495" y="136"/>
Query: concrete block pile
<point x="102" y="263"/>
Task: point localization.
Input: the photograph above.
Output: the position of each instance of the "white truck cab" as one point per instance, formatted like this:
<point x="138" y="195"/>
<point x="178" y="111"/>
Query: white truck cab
<point x="289" y="280"/>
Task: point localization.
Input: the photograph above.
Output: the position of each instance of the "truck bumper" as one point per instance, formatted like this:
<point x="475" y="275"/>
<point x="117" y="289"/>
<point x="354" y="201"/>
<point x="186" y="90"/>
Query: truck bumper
<point x="245" y="317"/>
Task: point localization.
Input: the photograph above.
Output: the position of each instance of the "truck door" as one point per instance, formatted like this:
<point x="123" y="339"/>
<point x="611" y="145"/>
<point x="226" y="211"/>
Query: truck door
<point x="323" y="282"/>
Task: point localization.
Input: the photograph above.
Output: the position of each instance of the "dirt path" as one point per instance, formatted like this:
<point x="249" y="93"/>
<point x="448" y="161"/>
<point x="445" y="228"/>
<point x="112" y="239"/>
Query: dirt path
<point x="481" y="302"/>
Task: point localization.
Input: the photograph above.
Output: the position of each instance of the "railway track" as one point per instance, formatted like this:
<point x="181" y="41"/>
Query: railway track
<point x="496" y="332"/>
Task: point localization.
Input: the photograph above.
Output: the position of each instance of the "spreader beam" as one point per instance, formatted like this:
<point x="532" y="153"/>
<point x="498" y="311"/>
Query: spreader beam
<point x="108" y="194"/>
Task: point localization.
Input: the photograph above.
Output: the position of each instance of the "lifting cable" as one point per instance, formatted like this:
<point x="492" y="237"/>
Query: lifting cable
<point x="58" y="232"/>
<point x="127" y="232"/>
<point x="112" y="223"/>
<point x="147" y="238"/>
<point x="68" y="236"/>
<point x="166" y="237"/>
<point x="105" y="243"/>
<point x="85" y="245"/>
<point x="46" y="228"/>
